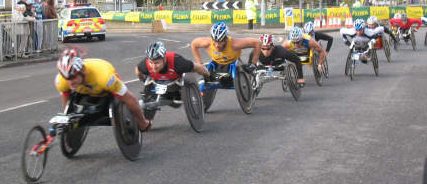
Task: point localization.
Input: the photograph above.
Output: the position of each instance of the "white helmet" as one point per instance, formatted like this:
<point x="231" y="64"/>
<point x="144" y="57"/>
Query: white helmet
<point x="309" y="27"/>
<point x="295" y="34"/>
<point x="219" y="31"/>
<point x="397" y="16"/>
<point x="372" y="20"/>
<point x="69" y="63"/>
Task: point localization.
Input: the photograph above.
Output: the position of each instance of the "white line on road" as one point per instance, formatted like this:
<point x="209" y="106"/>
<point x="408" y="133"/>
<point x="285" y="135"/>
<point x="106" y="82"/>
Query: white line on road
<point x="23" y="105"/>
<point x="132" y="58"/>
<point x="168" y="40"/>
<point x="130" y="81"/>
<point x="16" y="78"/>
<point x="188" y="45"/>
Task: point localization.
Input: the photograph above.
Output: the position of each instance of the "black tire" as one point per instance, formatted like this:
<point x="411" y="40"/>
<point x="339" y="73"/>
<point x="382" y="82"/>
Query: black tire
<point x="414" y="44"/>
<point x="244" y="91"/>
<point x="72" y="140"/>
<point x="387" y="50"/>
<point x="30" y="175"/>
<point x="101" y="37"/>
<point x="325" y="68"/>
<point x="149" y="113"/>
<point x="317" y="74"/>
<point x="352" y="69"/>
<point x="425" y="40"/>
<point x="193" y="105"/>
<point x="291" y="81"/>
<point x="208" y="98"/>
<point x="348" y="64"/>
<point x="375" y="62"/>
<point x="126" y="131"/>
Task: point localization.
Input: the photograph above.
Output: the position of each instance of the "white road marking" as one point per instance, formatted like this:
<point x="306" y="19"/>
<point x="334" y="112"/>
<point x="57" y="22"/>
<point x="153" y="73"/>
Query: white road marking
<point x="130" y="81"/>
<point x="132" y="58"/>
<point x="188" y="45"/>
<point x="23" y="105"/>
<point x="128" y="41"/>
<point x="16" y="78"/>
<point x="168" y="40"/>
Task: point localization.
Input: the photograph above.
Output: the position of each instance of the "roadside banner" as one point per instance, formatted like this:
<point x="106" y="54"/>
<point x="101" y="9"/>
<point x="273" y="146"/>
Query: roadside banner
<point x="119" y="16"/>
<point x="360" y="13"/>
<point x="314" y="15"/>
<point x="271" y="16"/>
<point x="415" y="11"/>
<point x="289" y="18"/>
<point x="201" y="17"/>
<point x="425" y="11"/>
<point x="239" y="17"/>
<point x="107" y="15"/>
<point x="165" y="15"/>
<point x="397" y="9"/>
<point x="297" y="15"/>
<point x="146" y="17"/>
<point x="181" y="17"/>
<point x="132" y="17"/>
<point x="222" y="15"/>
<point x="381" y="12"/>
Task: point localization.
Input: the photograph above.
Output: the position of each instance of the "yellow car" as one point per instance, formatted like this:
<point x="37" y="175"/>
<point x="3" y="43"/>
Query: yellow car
<point x="78" y="21"/>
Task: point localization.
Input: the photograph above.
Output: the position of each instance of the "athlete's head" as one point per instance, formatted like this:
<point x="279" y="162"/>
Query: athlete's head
<point x="219" y="32"/>
<point x="397" y="15"/>
<point x="266" y="44"/>
<point x="404" y="17"/>
<point x="70" y="66"/>
<point x="295" y="35"/>
<point x="309" y="27"/>
<point x="156" y="53"/>
<point x="372" y="22"/>
<point x="359" y="25"/>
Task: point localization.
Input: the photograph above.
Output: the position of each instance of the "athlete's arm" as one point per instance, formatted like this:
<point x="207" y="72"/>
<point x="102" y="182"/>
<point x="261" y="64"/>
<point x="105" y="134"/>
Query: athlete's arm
<point x="314" y="45"/>
<point x="183" y="65"/>
<point x="415" y="21"/>
<point x="326" y="37"/>
<point x="132" y="104"/>
<point x="286" y="44"/>
<point x="196" y="44"/>
<point x="243" y="43"/>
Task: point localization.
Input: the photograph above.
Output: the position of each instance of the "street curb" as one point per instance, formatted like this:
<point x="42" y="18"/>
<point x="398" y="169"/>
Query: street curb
<point x="9" y="64"/>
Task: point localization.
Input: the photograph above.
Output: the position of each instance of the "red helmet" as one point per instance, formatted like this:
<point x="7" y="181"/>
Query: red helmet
<point x="69" y="63"/>
<point x="266" y="39"/>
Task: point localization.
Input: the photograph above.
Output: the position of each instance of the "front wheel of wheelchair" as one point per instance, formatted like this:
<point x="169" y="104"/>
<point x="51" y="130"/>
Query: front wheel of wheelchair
<point x="414" y="44"/>
<point x="149" y="113"/>
<point x="72" y="140"/>
<point x="193" y="105"/>
<point x="291" y="81"/>
<point x="126" y="131"/>
<point x="348" y="64"/>
<point x="316" y="72"/>
<point x="244" y="90"/>
<point x="387" y="50"/>
<point x="425" y="40"/>
<point x="375" y="62"/>
<point x="33" y="162"/>
<point x="208" y="98"/>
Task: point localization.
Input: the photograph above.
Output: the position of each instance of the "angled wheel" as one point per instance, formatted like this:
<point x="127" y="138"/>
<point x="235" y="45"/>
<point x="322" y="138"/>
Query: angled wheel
<point x="126" y="132"/>
<point x="425" y="40"/>
<point x="387" y="50"/>
<point x="244" y="90"/>
<point x="148" y="112"/>
<point x="375" y="61"/>
<point x="72" y="140"/>
<point x="208" y="98"/>
<point x="33" y="162"/>
<point x="193" y="102"/>
<point x="414" y="44"/>
<point x="317" y="74"/>
<point x="352" y="69"/>
<point x="325" y="68"/>
<point x="291" y="81"/>
<point x="348" y="64"/>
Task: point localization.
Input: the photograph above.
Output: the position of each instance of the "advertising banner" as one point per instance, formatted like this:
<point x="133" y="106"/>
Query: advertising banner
<point x="132" y="17"/>
<point x="222" y="15"/>
<point x="181" y="17"/>
<point x="381" y="12"/>
<point x="360" y="13"/>
<point x="201" y="17"/>
<point x="119" y="16"/>
<point x="397" y="9"/>
<point x="146" y="16"/>
<point x="239" y="17"/>
<point x="165" y="15"/>
<point x="271" y="16"/>
<point x="311" y="14"/>
<point x="415" y="11"/>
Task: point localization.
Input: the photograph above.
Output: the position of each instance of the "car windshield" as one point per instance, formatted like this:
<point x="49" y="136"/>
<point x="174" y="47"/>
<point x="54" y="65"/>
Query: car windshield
<point x="84" y="13"/>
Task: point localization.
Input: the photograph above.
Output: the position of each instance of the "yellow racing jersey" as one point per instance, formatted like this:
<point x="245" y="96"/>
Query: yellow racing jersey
<point x="225" y="57"/>
<point x="305" y="45"/>
<point x="100" y="79"/>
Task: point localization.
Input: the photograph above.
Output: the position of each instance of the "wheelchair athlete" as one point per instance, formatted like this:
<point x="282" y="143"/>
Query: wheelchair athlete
<point x="275" y="55"/>
<point x="95" y="78"/>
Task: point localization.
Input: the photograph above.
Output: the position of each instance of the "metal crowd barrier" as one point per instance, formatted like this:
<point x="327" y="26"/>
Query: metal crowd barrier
<point x="19" y="39"/>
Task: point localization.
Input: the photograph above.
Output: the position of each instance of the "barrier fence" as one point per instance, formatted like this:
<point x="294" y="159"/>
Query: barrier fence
<point x="332" y="17"/>
<point x="21" y="39"/>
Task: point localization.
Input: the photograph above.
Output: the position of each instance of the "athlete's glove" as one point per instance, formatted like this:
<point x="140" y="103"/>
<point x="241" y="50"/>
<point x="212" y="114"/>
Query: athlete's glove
<point x="347" y="43"/>
<point x="250" y="68"/>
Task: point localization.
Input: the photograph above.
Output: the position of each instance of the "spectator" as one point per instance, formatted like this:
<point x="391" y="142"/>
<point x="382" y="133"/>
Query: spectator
<point x="250" y="6"/>
<point x="161" y="7"/>
<point x="22" y="29"/>
<point x="49" y="10"/>
<point x="38" y="38"/>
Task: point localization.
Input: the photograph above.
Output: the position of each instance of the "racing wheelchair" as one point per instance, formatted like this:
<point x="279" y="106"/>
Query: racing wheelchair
<point x="232" y="76"/>
<point x="311" y="59"/>
<point x="361" y="51"/>
<point x="406" y="36"/>
<point x="72" y="127"/>
<point x="383" y="43"/>
<point x="169" y="93"/>
<point x="286" y="72"/>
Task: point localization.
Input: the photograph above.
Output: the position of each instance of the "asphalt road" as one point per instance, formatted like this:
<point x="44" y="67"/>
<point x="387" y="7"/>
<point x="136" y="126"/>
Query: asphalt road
<point x="370" y="130"/>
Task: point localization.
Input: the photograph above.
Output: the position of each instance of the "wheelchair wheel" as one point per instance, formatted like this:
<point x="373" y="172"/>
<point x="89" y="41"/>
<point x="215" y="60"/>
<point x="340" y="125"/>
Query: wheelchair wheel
<point x="414" y="44"/>
<point x="317" y="74"/>
<point x="193" y="105"/>
<point x="325" y="68"/>
<point x="126" y="131"/>
<point x="387" y="50"/>
<point x="149" y="113"/>
<point x="291" y="81"/>
<point x="244" y="90"/>
<point x="375" y="61"/>
<point x="33" y="163"/>
<point x="208" y="98"/>
<point x="348" y="64"/>
<point x="72" y="140"/>
<point x="425" y="40"/>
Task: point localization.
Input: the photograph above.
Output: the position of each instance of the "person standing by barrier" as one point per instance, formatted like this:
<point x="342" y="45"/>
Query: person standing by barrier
<point x="49" y="10"/>
<point x="38" y="40"/>
<point x="22" y="30"/>
<point x="250" y="6"/>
